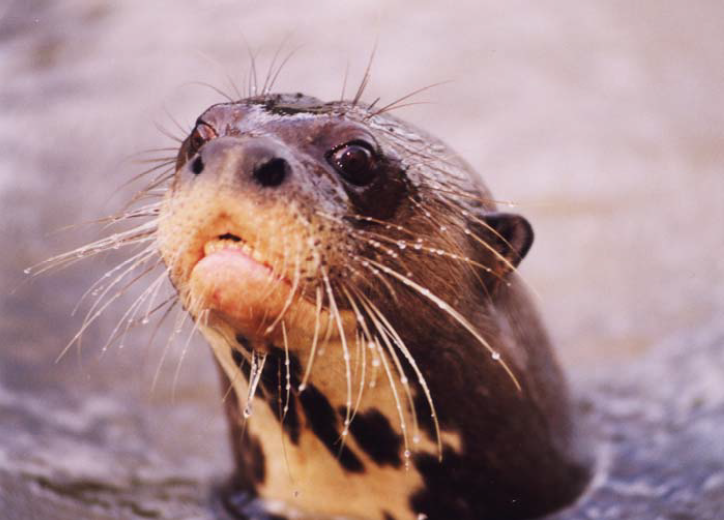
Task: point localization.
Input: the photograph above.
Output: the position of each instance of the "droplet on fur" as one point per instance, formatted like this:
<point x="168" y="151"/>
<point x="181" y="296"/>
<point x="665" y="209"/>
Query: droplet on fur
<point x="404" y="380"/>
<point x="401" y="244"/>
<point x="496" y="356"/>
<point x="145" y="321"/>
<point x="302" y="387"/>
<point x="416" y="439"/>
<point x="27" y="271"/>
<point x="408" y="454"/>
<point x="422" y="516"/>
<point x="375" y="362"/>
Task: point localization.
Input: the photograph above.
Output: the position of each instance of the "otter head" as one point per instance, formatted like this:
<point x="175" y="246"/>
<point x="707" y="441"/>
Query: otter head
<point x="322" y="247"/>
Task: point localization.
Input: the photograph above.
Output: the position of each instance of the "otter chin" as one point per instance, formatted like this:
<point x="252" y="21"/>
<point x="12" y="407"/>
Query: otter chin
<point x="234" y="280"/>
<point x="358" y="288"/>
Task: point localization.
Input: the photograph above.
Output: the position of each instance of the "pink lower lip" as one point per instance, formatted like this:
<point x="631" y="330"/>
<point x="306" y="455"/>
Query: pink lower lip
<point x="235" y="260"/>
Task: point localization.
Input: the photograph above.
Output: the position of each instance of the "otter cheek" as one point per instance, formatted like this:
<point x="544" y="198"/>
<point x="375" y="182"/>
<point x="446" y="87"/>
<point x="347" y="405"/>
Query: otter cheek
<point x="234" y="284"/>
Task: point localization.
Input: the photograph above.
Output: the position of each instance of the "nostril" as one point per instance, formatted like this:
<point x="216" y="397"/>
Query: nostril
<point x="197" y="166"/>
<point x="272" y="172"/>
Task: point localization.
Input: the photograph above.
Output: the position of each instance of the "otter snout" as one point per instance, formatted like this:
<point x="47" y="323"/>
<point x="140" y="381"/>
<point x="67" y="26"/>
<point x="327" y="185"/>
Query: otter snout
<point x="244" y="162"/>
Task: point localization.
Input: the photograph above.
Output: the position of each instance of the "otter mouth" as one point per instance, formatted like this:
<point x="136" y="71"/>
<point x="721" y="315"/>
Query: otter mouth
<point x="240" y="282"/>
<point x="231" y="244"/>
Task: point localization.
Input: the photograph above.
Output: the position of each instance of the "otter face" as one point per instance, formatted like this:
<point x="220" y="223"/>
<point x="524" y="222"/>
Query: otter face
<point x="281" y="202"/>
<point x="292" y="227"/>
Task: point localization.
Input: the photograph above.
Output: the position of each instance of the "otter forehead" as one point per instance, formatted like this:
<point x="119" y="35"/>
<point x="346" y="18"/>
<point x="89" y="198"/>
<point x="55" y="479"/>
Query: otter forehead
<point x="287" y="115"/>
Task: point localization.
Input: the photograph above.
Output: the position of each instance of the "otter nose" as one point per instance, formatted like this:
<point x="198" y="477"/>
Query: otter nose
<point x="260" y="161"/>
<point x="270" y="173"/>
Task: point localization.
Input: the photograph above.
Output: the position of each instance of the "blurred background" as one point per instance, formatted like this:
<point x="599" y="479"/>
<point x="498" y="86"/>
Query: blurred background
<point x="603" y="122"/>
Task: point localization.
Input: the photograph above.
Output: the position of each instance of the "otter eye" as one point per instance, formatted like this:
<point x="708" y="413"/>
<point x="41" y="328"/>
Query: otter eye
<point x="355" y="162"/>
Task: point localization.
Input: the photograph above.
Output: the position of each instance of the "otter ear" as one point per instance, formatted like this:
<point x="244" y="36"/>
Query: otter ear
<point x="511" y="235"/>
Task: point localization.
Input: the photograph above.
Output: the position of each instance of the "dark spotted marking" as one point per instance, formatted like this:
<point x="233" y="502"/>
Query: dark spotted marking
<point x="274" y="382"/>
<point x="387" y="516"/>
<point x="323" y="422"/>
<point x="374" y="434"/>
<point x="244" y="342"/>
<point x="238" y="358"/>
<point x="288" y="105"/>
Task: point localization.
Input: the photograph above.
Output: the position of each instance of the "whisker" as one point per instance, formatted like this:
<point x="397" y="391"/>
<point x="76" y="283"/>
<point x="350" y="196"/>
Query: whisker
<point x="453" y="314"/>
<point x="201" y="318"/>
<point x="366" y="78"/>
<point x="313" y="350"/>
<point x="389" y="106"/>
<point x="282" y="65"/>
<point x="345" y="351"/>
<point x="180" y="315"/>
<point x="255" y="371"/>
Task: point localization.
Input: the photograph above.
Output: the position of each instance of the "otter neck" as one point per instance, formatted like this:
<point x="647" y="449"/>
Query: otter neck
<point x="294" y="447"/>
